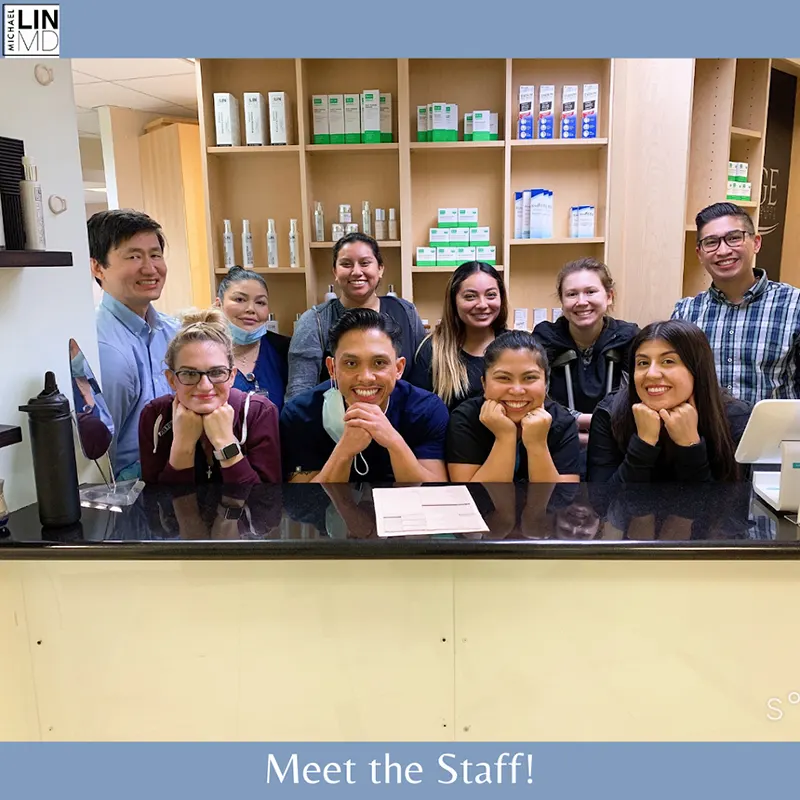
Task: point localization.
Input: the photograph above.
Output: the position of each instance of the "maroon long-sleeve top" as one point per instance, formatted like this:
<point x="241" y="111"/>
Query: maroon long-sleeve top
<point x="261" y="446"/>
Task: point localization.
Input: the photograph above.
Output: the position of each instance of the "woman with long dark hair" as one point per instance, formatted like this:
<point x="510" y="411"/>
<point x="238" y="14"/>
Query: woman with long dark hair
<point x="672" y="422"/>
<point x="449" y="361"/>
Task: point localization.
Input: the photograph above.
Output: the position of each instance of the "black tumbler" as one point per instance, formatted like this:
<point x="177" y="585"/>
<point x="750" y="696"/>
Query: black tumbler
<point x="54" y="467"/>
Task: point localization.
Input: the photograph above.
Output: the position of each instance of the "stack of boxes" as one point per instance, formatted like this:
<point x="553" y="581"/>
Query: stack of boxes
<point x="361" y="118"/>
<point x="439" y="122"/>
<point x="256" y="110"/>
<point x="457" y="238"/>
<point x="739" y="188"/>
<point x="533" y="216"/>
<point x="540" y="119"/>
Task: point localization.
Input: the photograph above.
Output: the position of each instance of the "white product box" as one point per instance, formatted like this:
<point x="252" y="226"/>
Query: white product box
<point x="426" y="256"/>
<point x="226" y="119"/>
<point x="352" y="118"/>
<point x="527" y="95"/>
<point x="479" y="237"/>
<point x="518" y="215"/>
<point x="467" y="217"/>
<point x="437" y="122"/>
<point x="544" y="120"/>
<point x="439" y="236"/>
<point x="255" y="119"/>
<point x="586" y="222"/>
<point x="569" y="112"/>
<point x="422" y="124"/>
<point x="319" y="108"/>
<point x="481" y="125"/>
<point x="448" y="218"/>
<point x="486" y="254"/>
<point x="464" y="254"/>
<point x="573" y="221"/>
<point x="459" y="237"/>
<point x="493" y="126"/>
<point x="539" y="315"/>
<point x="468" y="127"/>
<point x="521" y="319"/>
<point x="451" y="120"/>
<point x="280" y="118"/>
<point x="386" y="117"/>
<point x="336" y="118"/>
<point x="446" y="256"/>
<point x="539" y="206"/>
<point x="371" y="116"/>
<point x="591" y="95"/>
<point x="527" y="229"/>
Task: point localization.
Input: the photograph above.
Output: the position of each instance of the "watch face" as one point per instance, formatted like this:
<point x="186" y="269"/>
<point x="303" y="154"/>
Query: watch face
<point x="230" y="451"/>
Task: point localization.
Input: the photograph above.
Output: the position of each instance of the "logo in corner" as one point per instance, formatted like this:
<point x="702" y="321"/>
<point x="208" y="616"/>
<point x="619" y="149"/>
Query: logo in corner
<point x="31" y="31"/>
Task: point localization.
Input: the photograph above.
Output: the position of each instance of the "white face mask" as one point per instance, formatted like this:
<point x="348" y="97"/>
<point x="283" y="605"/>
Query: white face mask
<point x="333" y="411"/>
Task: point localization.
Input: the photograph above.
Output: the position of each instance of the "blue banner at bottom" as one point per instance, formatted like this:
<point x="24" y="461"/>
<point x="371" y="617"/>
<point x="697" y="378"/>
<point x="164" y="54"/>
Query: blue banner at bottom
<point x="252" y="771"/>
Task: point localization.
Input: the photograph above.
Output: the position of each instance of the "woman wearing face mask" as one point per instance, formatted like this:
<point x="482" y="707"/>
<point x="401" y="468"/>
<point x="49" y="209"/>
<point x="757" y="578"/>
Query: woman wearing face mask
<point x="514" y="432"/>
<point x="357" y="271"/>
<point x="450" y="360"/>
<point x="587" y="348"/>
<point x="674" y="423"/>
<point x="261" y="356"/>
<point x="208" y="432"/>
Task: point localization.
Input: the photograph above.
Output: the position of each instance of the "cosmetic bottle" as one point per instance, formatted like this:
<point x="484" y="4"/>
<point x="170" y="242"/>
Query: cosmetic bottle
<point x="391" y="292"/>
<point x="393" y="225"/>
<point x="55" y="470"/>
<point x="319" y="222"/>
<point x="272" y="324"/>
<point x="366" y="218"/>
<point x="293" y="259"/>
<point x="330" y="294"/>
<point x="247" y="245"/>
<point x="227" y="245"/>
<point x="380" y="224"/>
<point x="272" y="244"/>
<point x="32" y="207"/>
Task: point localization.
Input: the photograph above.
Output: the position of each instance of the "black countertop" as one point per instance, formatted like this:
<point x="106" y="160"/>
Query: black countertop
<point x="310" y="521"/>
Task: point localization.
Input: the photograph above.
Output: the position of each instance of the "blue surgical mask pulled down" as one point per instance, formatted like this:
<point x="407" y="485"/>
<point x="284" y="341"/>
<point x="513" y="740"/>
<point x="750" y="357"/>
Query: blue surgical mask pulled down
<point x="241" y="336"/>
<point x="333" y="411"/>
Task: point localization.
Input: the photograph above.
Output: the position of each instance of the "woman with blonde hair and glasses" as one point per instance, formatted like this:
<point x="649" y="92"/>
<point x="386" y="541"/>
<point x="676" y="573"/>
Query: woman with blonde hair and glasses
<point x="208" y="432"/>
<point x="449" y="361"/>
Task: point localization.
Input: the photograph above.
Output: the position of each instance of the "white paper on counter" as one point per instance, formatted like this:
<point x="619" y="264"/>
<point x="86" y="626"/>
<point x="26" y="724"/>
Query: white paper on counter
<point x="416" y="511"/>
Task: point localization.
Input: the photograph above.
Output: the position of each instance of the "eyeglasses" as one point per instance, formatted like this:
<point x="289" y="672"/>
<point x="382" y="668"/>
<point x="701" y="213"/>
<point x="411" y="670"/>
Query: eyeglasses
<point x="710" y="244"/>
<point x="191" y="377"/>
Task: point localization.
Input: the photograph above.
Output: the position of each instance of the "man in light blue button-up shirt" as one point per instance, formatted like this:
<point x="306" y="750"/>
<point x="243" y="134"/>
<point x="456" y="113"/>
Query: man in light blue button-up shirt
<point x="127" y="256"/>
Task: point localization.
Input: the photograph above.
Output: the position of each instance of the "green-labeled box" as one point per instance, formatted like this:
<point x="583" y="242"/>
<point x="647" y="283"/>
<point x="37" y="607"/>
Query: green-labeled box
<point x="336" y="118"/>
<point x="371" y="116"/>
<point x="459" y="237"/>
<point x="486" y="254"/>
<point x="465" y="254"/>
<point x="352" y="118"/>
<point x="319" y="106"/>
<point x="479" y="237"/>
<point x="481" y="126"/>
<point x="386" y="117"/>
<point x="439" y="237"/>
<point x="426" y="256"/>
<point x="448" y="218"/>
<point x="438" y="119"/>
<point x="467" y="217"/>
<point x="422" y="124"/>
<point x="446" y="256"/>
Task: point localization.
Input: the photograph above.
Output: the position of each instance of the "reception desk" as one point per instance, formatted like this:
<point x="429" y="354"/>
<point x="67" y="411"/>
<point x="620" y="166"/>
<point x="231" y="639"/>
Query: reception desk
<point x="276" y="613"/>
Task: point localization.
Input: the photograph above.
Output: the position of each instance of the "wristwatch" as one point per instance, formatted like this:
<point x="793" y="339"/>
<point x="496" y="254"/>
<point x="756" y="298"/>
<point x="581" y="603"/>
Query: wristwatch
<point x="229" y="451"/>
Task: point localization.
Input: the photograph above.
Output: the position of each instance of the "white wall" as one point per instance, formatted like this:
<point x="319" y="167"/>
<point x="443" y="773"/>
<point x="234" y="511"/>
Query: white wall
<point x="41" y="308"/>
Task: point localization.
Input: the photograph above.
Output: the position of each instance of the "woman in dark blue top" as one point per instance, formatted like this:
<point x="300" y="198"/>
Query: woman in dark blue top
<point x="261" y="356"/>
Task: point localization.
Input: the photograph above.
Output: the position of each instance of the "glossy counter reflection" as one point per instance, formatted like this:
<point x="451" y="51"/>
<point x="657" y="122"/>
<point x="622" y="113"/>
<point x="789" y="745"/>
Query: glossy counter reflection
<point x="337" y="521"/>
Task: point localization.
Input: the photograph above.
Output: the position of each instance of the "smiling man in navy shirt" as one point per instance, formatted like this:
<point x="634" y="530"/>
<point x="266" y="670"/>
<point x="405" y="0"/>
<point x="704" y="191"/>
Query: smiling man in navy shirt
<point x="366" y="424"/>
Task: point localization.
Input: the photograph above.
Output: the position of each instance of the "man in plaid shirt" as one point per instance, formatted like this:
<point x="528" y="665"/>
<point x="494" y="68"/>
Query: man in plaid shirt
<point x="752" y="323"/>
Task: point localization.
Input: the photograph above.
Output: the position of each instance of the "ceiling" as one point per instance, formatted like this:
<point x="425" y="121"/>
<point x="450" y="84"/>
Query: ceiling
<point x="158" y="85"/>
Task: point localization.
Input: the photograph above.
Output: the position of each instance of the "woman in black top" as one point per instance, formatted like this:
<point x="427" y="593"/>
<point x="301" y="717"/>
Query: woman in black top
<point x="513" y="432"/>
<point x="673" y="422"/>
<point x="449" y="361"/>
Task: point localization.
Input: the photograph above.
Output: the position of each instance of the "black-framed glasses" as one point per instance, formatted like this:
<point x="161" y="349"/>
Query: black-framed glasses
<point x="191" y="377"/>
<point x="710" y="244"/>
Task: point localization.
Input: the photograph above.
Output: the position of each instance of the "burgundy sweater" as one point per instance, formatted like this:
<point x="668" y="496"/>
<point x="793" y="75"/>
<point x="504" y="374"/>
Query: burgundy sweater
<point x="262" y="451"/>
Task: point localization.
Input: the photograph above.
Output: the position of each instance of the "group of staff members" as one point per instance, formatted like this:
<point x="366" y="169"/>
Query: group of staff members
<point x="361" y="393"/>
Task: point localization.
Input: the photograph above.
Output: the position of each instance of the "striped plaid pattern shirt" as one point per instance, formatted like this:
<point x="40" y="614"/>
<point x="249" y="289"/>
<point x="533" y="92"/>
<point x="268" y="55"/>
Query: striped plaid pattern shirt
<point x="755" y="343"/>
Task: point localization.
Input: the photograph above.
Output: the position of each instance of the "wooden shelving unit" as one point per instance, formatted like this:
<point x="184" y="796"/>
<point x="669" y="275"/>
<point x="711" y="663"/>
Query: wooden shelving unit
<point x="415" y="178"/>
<point x="729" y="123"/>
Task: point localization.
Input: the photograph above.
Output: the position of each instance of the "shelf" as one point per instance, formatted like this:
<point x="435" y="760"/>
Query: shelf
<point x="261" y="150"/>
<point x="744" y="133"/>
<point x="560" y="144"/>
<point x="498" y="267"/>
<point x="15" y="259"/>
<point x="456" y="145"/>
<point x="267" y="270"/>
<point x="362" y="147"/>
<point x="565" y="240"/>
<point x="10" y="434"/>
<point x="329" y="245"/>
<point x="744" y="203"/>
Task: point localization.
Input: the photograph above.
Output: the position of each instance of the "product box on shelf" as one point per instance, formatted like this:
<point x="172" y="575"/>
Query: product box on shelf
<point x="479" y="237"/>
<point x="371" y="116"/>
<point x="459" y="237"/>
<point x="437" y="123"/>
<point x="336" y="118"/>
<point x="547" y="99"/>
<point x="467" y="217"/>
<point x="422" y="124"/>
<point x="481" y="125"/>
<point x="448" y="218"/>
<point x="352" y="118"/>
<point x="591" y="94"/>
<point x="386" y="117"/>
<point x="569" y="112"/>
<point x="226" y="120"/>
<point x="446" y="256"/>
<point x="255" y="119"/>
<point x="439" y="237"/>
<point x="280" y="118"/>
<point x="468" y="127"/>
<point x="426" y="256"/>
<point x="494" y="118"/>
<point x="525" y="112"/>
<point x="319" y="107"/>
<point x="464" y="254"/>
<point x="451" y="117"/>
<point x="487" y="254"/>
